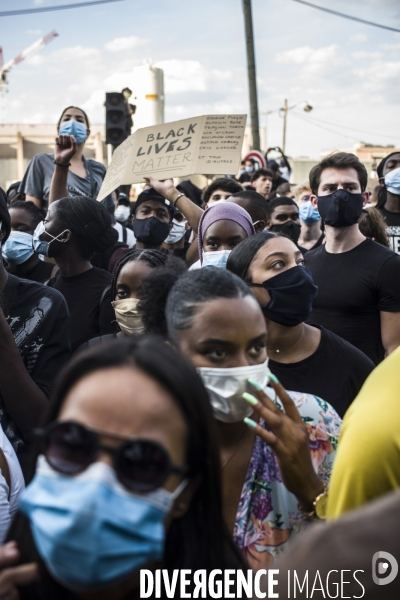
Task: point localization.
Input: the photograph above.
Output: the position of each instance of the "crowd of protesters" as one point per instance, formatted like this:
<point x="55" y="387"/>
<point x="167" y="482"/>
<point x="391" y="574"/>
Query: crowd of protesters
<point x="193" y="379"/>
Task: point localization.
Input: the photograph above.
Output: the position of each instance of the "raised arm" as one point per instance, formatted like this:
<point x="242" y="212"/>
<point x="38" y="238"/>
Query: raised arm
<point x="189" y="209"/>
<point x="64" y="150"/>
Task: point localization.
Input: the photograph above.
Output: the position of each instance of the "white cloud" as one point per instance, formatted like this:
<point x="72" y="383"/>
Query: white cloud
<point x="360" y="55"/>
<point x="34" y="31"/>
<point x="359" y="37"/>
<point x="36" y="59"/>
<point x="390" y="47"/>
<point x="183" y="75"/>
<point x="306" y="54"/>
<point x="125" y="43"/>
<point x="298" y="55"/>
<point x="38" y="2"/>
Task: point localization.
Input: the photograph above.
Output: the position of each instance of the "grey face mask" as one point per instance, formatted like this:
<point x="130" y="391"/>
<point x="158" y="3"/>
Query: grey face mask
<point x="226" y="386"/>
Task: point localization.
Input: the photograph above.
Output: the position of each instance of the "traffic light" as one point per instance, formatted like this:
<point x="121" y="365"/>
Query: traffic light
<point x="116" y="115"/>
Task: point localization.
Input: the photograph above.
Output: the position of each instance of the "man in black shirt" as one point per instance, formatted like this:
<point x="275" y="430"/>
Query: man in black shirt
<point x="34" y="346"/>
<point x="389" y="197"/>
<point x="358" y="280"/>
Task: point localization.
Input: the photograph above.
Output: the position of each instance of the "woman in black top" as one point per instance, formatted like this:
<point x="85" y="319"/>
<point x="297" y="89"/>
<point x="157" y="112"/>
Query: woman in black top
<point x="305" y="358"/>
<point x="73" y="230"/>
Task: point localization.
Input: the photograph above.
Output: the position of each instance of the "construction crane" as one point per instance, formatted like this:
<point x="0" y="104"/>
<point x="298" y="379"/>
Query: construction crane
<point x="6" y="67"/>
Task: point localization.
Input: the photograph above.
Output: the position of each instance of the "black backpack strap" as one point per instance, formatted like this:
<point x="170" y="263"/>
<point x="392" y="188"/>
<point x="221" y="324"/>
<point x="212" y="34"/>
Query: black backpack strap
<point x="124" y="234"/>
<point x="103" y="296"/>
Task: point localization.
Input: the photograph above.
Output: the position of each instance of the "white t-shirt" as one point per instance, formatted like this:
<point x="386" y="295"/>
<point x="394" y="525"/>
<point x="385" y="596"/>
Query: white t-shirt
<point x="8" y="508"/>
<point x="130" y="236"/>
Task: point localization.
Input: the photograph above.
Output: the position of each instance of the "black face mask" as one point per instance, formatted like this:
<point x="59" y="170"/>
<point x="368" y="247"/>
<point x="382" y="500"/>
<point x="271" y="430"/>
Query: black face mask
<point x="292" y="295"/>
<point x="340" y="209"/>
<point x="150" y="231"/>
<point x="290" y="228"/>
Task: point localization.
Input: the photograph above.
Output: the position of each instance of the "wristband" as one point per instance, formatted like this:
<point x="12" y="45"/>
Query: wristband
<point x="61" y="164"/>
<point x="177" y="198"/>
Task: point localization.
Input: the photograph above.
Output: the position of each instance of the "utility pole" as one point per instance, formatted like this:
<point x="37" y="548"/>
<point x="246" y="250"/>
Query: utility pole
<point x="285" y="112"/>
<point x="251" y="74"/>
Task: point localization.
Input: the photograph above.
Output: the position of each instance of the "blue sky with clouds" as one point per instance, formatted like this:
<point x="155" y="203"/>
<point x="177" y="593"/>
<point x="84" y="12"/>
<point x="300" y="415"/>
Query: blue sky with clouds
<point x="347" y="71"/>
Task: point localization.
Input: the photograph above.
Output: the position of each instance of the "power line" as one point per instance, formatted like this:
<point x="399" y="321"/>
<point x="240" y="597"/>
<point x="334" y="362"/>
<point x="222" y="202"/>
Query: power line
<point x="351" y="18"/>
<point x="29" y="11"/>
<point x="316" y="124"/>
<point x="325" y="128"/>
<point x="346" y="127"/>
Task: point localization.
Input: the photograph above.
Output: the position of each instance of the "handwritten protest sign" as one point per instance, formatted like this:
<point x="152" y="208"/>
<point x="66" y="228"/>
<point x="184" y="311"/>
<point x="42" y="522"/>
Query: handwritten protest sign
<point x="210" y="144"/>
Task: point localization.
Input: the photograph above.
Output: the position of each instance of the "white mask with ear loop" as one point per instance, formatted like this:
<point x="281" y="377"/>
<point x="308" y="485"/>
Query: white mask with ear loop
<point x="225" y="388"/>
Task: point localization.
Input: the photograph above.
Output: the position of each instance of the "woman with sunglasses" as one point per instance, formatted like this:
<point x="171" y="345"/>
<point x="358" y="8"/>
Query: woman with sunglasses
<point x="305" y="358"/>
<point x="123" y="485"/>
<point x="275" y="457"/>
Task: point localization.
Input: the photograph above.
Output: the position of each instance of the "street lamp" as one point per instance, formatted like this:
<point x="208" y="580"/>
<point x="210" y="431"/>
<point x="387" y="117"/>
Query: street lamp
<point x="285" y="110"/>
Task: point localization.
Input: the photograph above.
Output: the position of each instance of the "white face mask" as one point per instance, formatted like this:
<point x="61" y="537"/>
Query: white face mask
<point x="392" y="181"/>
<point x="226" y="386"/>
<point x="122" y="213"/>
<point x="219" y="258"/>
<point x="177" y="232"/>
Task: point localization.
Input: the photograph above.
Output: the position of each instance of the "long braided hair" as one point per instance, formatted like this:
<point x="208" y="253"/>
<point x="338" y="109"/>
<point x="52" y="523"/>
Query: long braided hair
<point x="154" y="258"/>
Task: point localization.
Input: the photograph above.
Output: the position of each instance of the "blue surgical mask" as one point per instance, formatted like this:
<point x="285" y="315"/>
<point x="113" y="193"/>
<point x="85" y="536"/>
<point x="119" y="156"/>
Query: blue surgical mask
<point x="309" y="214"/>
<point x="219" y="258"/>
<point x="39" y="246"/>
<point x="18" y="248"/>
<point x="392" y="181"/>
<point x="249" y="169"/>
<point x="89" y="530"/>
<point x="72" y="127"/>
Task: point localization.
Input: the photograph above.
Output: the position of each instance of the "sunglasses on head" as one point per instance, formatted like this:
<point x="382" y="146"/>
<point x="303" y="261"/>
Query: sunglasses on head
<point x="140" y="465"/>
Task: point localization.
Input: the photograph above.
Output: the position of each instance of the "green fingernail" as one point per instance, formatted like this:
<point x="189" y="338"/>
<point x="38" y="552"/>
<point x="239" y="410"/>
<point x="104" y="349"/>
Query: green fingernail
<point x="255" y="385"/>
<point x="250" y="423"/>
<point x="273" y="378"/>
<point x="250" y="399"/>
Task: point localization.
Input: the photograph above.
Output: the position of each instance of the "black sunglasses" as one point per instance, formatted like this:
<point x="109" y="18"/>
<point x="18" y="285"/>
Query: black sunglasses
<point x="140" y="465"/>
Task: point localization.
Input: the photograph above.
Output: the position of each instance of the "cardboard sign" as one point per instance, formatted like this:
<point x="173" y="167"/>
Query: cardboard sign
<point x="210" y="144"/>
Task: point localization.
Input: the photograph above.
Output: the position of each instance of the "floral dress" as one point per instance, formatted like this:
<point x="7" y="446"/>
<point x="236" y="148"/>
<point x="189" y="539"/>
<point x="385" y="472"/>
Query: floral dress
<point x="268" y="514"/>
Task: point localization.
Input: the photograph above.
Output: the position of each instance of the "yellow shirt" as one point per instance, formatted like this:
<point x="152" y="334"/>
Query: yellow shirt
<point x="367" y="462"/>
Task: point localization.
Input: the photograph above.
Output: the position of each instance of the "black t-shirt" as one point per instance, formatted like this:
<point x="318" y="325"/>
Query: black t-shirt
<point x="91" y="314"/>
<point x="316" y="245"/>
<point x="353" y="288"/>
<point x="335" y="372"/>
<point x="393" y="228"/>
<point x="42" y="272"/>
<point x="277" y="182"/>
<point x="39" y="320"/>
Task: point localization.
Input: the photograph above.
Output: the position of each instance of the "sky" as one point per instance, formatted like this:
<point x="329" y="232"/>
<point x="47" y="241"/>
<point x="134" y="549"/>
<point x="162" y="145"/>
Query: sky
<point x="347" y="71"/>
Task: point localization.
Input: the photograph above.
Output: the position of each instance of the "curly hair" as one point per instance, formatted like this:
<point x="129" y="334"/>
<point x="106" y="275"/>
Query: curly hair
<point x="90" y="223"/>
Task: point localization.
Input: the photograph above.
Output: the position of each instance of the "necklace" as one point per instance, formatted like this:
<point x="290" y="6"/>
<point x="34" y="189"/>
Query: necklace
<point x="235" y="450"/>
<point x="295" y="344"/>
